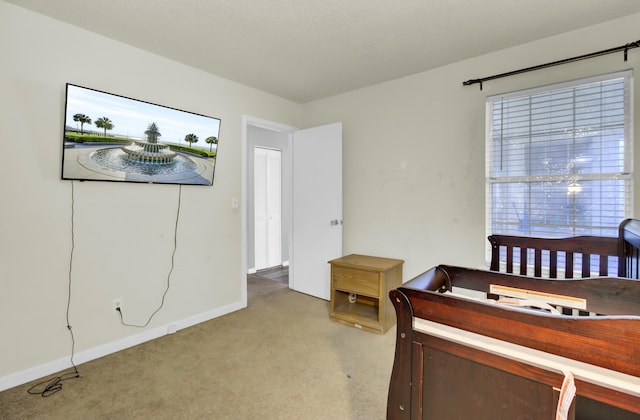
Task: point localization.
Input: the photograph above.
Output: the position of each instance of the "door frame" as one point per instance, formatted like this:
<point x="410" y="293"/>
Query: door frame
<point x="247" y="121"/>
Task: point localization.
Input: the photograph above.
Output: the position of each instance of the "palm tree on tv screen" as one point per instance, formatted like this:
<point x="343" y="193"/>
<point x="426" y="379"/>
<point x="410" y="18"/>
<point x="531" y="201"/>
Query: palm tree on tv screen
<point x="191" y="138"/>
<point x="211" y="140"/>
<point x="82" y="119"/>
<point x="104" y="123"/>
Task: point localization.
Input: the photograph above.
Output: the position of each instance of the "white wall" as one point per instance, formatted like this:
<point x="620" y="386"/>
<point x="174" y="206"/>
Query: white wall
<point x="413" y="182"/>
<point x="123" y="232"/>
<point x="414" y="147"/>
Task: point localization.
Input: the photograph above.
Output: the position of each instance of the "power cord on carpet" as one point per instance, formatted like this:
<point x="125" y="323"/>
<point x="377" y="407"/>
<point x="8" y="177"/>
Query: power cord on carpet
<point x="173" y="254"/>
<point x="53" y="385"/>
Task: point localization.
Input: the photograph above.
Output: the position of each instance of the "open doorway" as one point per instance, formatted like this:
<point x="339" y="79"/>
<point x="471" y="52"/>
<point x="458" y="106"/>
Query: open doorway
<point x="311" y="218"/>
<point x="267" y="156"/>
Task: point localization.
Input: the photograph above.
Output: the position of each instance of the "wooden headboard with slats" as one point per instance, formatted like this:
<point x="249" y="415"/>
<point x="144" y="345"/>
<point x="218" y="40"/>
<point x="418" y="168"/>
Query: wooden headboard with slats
<point x="572" y="257"/>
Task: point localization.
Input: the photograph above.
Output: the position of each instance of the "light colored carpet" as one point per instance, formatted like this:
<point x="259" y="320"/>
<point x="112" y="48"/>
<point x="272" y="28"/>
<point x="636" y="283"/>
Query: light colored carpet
<point x="281" y="358"/>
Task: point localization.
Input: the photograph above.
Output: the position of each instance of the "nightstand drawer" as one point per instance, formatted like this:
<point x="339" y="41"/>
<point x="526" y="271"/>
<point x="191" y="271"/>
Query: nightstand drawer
<point x="356" y="281"/>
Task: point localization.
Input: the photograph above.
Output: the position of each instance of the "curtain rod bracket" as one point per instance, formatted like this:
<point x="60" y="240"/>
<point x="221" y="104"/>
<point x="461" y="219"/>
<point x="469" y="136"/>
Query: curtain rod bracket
<point x="626" y="51"/>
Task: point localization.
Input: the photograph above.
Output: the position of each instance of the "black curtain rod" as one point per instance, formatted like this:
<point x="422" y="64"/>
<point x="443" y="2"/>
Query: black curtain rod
<point x="624" y="48"/>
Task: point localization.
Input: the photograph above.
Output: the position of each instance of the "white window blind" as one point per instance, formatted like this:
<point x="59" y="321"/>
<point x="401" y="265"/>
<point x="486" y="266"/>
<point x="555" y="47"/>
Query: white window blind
<point x="559" y="158"/>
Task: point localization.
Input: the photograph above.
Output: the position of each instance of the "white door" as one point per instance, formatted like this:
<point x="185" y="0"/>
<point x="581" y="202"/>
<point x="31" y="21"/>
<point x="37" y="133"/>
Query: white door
<point x="316" y="208"/>
<point x="267" y="212"/>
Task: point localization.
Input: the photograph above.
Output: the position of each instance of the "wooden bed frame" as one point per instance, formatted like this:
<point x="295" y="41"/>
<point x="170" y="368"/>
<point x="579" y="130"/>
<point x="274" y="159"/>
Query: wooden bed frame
<point x="569" y="257"/>
<point x="629" y="243"/>
<point x="460" y="355"/>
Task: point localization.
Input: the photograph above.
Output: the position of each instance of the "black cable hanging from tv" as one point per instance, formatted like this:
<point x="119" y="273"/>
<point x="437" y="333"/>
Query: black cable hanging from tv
<point x="624" y="48"/>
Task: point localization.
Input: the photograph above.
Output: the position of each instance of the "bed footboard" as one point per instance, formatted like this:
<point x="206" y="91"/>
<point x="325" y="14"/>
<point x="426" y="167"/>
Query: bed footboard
<point x="460" y="357"/>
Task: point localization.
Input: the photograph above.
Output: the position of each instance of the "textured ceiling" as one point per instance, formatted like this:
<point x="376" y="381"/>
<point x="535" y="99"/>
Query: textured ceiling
<point x="307" y="49"/>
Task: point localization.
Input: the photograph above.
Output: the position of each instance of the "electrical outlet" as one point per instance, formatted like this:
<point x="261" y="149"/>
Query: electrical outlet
<point x="117" y="304"/>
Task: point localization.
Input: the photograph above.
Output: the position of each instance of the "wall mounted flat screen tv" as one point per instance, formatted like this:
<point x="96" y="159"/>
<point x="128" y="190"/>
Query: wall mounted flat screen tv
<point x="110" y="137"/>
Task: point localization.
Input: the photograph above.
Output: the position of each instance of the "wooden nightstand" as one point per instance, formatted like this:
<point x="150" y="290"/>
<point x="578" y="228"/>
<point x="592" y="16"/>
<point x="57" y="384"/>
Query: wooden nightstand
<point x="360" y="286"/>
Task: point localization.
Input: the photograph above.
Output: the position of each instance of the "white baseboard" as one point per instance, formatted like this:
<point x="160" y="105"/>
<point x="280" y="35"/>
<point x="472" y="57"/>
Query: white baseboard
<point x="254" y="271"/>
<point x="49" y="368"/>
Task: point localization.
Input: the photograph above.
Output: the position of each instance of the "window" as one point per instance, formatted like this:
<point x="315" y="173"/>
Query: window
<point x="559" y="158"/>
